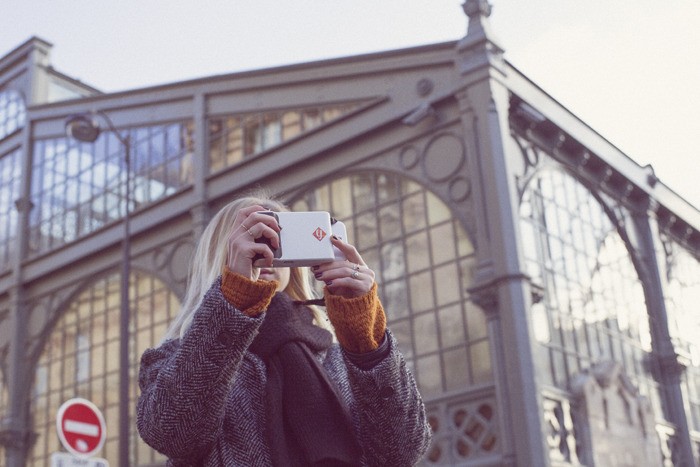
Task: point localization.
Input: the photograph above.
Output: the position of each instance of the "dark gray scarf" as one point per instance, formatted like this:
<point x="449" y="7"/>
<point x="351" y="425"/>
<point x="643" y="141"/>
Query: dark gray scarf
<point x="308" y="424"/>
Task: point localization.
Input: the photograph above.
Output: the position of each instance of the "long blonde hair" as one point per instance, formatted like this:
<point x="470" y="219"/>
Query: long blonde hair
<point x="209" y="259"/>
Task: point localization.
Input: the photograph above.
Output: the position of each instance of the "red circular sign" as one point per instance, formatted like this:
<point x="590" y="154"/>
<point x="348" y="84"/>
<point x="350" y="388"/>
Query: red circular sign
<point x="81" y="427"/>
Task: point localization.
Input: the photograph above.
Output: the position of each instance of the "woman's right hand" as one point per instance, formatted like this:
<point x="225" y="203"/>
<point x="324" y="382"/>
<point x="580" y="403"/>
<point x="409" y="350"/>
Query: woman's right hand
<point x="250" y="224"/>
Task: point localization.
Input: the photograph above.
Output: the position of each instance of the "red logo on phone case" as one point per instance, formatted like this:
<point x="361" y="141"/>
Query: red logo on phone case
<point x="319" y="233"/>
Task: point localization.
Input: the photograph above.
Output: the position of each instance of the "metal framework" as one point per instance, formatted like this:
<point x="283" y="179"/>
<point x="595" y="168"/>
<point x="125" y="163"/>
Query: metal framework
<point x="541" y="284"/>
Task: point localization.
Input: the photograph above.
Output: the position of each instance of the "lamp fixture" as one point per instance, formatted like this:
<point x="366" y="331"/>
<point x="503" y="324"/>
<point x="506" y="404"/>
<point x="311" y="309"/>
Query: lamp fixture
<point x="83" y="127"/>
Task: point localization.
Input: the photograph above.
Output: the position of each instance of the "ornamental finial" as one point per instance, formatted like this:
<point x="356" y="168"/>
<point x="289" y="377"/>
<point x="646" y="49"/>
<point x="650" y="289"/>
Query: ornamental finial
<point x="474" y="8"/>
<point x="478" y="12"/>
<point x="479" y="40"/>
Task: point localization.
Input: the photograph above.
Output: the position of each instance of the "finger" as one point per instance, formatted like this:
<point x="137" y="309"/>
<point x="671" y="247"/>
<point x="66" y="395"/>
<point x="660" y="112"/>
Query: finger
<point x="346" y="274"/>
<point x="250" y="215"/>
<point x="242" y="248"/>
<point x="337" y="269"/>
<point x="240" y="259"/>
<point x="246" y="212"/>
<point x="265" y="232"/>
<point x="256" y="251"/>
<point x="348" y="250"/>
<point x="266" y="219"/>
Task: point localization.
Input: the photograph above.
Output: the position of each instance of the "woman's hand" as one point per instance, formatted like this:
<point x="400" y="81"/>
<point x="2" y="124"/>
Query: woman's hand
<point x="250" y="224"/>
<point x="348" y="278"/>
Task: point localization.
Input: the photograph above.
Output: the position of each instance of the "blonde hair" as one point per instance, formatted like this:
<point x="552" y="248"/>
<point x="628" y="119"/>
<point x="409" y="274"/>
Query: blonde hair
<point x="209" y="260"/>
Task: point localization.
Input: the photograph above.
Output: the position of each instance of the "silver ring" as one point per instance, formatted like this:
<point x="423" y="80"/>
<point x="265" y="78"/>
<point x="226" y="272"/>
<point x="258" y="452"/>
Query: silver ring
<point x="355" y="275"/>
<point x="356" y="267"/>
<point x="247" y="230"/>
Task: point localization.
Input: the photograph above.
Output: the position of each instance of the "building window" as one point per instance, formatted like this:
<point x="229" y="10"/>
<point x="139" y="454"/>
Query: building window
<point x="424" y="263"/>
<point x="682" y="298"/>
<point x="78" y="188"/>
<point x="10" y="177"/>
<point x="594" y="307"/>
<point x="233" y="138"/>
<point x="12" y="112"/>
<point x="81" y="359"/>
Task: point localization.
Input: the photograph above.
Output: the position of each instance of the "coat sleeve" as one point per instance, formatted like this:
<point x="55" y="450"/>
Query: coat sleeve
<point x="184" y="382"/>
<point x="389" y="413"/>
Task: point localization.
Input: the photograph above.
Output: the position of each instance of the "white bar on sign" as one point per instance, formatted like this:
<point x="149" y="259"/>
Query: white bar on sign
<point x="63" y="459"/>
<point x="81" y="428"/>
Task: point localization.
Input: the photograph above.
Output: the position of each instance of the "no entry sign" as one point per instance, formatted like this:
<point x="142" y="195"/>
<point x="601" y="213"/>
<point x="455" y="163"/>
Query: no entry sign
<point x="81" y="427"/>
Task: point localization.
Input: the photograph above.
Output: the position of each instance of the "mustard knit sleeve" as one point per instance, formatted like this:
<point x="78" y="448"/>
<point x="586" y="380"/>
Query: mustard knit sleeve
<point x="359" y="322"/>
<point x="251" y="297"/>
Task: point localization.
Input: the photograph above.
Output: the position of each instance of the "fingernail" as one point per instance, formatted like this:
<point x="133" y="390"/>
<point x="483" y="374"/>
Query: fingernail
<point x="315" y="267"/>
<point x="329" y="282"/>
<point x="334" y="237"/>
<point x="317" y="275"/>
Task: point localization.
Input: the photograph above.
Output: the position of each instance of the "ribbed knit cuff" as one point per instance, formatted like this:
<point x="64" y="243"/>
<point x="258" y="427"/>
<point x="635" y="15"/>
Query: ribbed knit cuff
<point x="251" y="297"/>
<point x="359" y="322"/>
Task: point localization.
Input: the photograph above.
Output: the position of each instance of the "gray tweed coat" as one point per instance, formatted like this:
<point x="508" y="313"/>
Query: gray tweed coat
<point x="202" y="396"/>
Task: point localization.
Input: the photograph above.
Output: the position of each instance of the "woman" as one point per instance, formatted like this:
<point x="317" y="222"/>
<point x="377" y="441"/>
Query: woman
<point x="249" y="375"/>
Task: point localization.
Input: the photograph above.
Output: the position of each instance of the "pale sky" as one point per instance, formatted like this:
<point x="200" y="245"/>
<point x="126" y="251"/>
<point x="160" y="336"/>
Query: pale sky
<point x="630" y="69"/>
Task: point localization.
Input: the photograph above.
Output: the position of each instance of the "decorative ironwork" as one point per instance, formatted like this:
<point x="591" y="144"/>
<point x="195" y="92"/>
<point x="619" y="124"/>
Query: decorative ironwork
<point x="669" y="446"/>
<point x="463" y="431"/>
<point x="560" y="431"/>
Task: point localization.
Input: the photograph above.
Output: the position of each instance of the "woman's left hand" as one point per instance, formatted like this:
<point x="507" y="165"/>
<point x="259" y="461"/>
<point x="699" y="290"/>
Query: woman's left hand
<point x="348" y="278"/>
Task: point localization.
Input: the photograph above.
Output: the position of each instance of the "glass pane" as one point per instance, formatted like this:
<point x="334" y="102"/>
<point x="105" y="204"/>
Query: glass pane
<point x="476" y="321"/>
<point x="233" y="136"/>
<point x="458" y="375"/>
<point x="291" y="125"/>
<point x="451" y="326"/>
<point x="682" y="297"/>
<point x="78" y="361"/>
<point x="342" y="203"/>
<point x="234" y="145"/>
<point x="395" y="299"/>
<point x="424" y="262"/>
<point x="363" y="194"/>
<point x="393" y="261"/>
<point x="429" y="375"/>
<point x="421" y="291"/>
<point x="437" y="210"/>
<point x="216" y="137"/>
<point x="442" y="243"/>
<point x="414" y="213"/>
<point x="390" y="223"/>
<point x="481" y="362"/>
<point x="464" y="245"/>
<point x="447" y="288"/>
<point x="402" y="332"/>
<point x="418" y="257"/>
<point x="81" y="187"/>
<point x="12" y="112"/>
<point x="366" y="234"/>
<point x="425" y="333"/>
<point x="594" y="306"/>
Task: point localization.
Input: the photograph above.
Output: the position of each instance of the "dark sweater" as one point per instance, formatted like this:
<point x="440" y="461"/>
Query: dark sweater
<point x="202" y="400"/>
